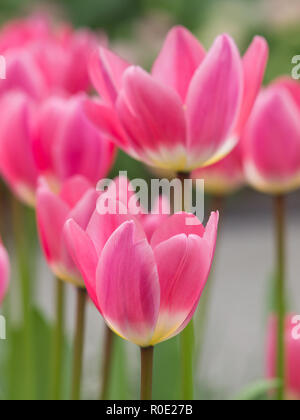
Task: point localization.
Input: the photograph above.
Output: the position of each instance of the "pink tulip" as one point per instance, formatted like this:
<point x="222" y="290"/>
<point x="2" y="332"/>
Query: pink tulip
<point x="224" y="177"/>
<point x="292" y="349"/>
<point x="41" y="57"/>
<point x="4" y="272"/>
<point x="77" y="200"/>
<point x="17" y="164"/>
<point x="185" y="114"/>
<point x="146" y="292"/>
<point x="67" y="144"/>
<point x="271" y="141"/>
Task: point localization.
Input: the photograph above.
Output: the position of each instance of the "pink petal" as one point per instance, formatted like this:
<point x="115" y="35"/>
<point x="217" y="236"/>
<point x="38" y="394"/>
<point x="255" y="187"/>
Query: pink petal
<point x="106" y="120"/>
<point x="16" y="159"/>
<point x="179" y="58"/>
<point x="213" y="101"/>
<point x="52" y="214"/>
<point x="272" y="138"/>
<point x="102" y="226"/>
<point x="127" y="286"/>
<point x="291" y="85"/>
<point x="150" y="112"/>
<point x="84" y="209"/>
<point x="83" y="252"/>
<point x="74" y="189"/>
<point x="106" y="71"/>
<point x="254" y="65"/>
<point x="183" y="266"/>
<point x="178" y="223"/>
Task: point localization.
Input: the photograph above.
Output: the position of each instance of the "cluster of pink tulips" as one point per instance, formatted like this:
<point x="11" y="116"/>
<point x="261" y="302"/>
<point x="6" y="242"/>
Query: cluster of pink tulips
<point x="197" y="113"/>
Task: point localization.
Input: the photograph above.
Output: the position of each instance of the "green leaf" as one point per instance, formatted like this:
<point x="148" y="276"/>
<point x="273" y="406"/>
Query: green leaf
<point x="166" y="380"/>
<point x="258" y="390"/>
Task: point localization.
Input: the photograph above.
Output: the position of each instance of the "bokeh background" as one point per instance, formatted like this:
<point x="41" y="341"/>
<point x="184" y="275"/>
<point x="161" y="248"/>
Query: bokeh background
<point x="241" y="293"/>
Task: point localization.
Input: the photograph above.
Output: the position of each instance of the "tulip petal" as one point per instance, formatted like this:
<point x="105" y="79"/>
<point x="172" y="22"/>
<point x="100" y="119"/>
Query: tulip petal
<point x="213" y="102"/>
<point x="4" y="272"/>
<point x="175" y="225"/>
<point x="83" y="252"/>
<point x="74" y="189"/>
<point x="84" y="209"/>
<point x="272" y="138"/>
<point x="254" y="65"/>
<point x="106" y="71"/>
<point x="16" y="159"/>
<point x="127" y="286"/>
<point x="181" y="281"/>
<point x="180" y="57"/>
<point x="291" y="85"/>
<point x="151" y="114"/>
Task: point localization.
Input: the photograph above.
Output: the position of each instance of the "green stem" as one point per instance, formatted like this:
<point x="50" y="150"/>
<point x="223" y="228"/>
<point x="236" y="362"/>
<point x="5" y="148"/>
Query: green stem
<point x="187" y="336"/>
<point x="58" y="341"/>
<point x="146" y="372"/>
<point x="21" y="244"/>
<point x="187" y="365"/>
<point x="78" y="344"/>
<point x="279" y="204"/>
<point x="107" y="362"/>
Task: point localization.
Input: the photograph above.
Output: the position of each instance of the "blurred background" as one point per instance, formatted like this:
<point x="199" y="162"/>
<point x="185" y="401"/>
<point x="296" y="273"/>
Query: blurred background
<point x="240" y="300"/>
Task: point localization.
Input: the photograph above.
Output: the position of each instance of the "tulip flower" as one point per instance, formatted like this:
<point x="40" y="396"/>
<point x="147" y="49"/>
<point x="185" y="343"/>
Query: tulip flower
<point x="17" y="164"/>
<point x="67" y="144"/>
<point x="292" y="354"/>
<point x="185" y="114"/>
<point x="147" y="292"/>
<point x="271" y="142"/>
<point x="76" y="199"/>
<point x="4" y="272"/>
<point x="271" y="155"/>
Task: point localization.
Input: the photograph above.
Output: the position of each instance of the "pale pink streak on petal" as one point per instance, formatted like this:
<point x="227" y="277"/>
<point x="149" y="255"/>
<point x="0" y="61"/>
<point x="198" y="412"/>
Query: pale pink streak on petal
<point x="178" y="60"/>
<point x="291" y="85"/>
<point x="84" y="208"/>
<point x="4" y="272"/>
<point x="127" y="285"/>
<point x="214" y="99"/>
<point x="83" y="253"/>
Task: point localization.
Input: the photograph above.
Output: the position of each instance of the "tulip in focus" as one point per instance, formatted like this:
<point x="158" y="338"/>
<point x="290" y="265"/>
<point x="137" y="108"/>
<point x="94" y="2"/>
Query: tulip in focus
<point x="77" y="200"/>
<point x="146" y="291"/>
<point x="292" y="356"/>
<point x="185" y="114"/>
<point x="66" y="144"/>
<point x="271" y="141"/>
<point x="4" y="272"/>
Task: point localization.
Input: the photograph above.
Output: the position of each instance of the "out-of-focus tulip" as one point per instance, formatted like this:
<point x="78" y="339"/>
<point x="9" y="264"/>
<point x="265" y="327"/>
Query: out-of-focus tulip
<point x="4" y="271"/>
<point x="66" y="143"/>
<point x="187" y="113"/>
<point x="77" y="200"/>
<point x="292" y="354"/>
<point x="41" y="57"/>
<point x="224" y="177"/>
<point x="146" y="292"/>
<point x="17" y="164"/>
<point x="271" y="141"/>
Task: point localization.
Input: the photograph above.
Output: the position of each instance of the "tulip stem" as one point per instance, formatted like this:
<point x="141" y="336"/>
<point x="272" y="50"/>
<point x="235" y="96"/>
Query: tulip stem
<point x="187" y="335"/>
<point x="187" y="358"/>
<point x="78" y="344"/>
<point x="107" y="362"/>
<point x="279" y="204"/>
<point x="23" y="261"/>
<point x="58" y="340"/>
<point x="146" y="372"/>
